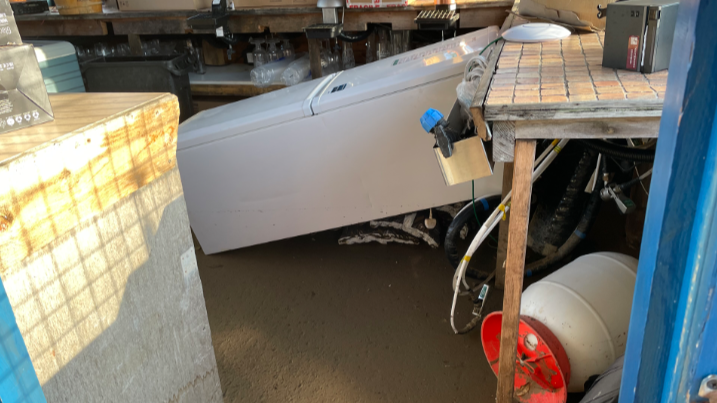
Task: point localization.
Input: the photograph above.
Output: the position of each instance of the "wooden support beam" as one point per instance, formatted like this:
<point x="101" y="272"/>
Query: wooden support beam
<point x="503" y="230"/>
<point x="315" y="58"/>
<point x="588" y="129"/>
<point x="515" y="267"/>
<point x="503" y="141"/>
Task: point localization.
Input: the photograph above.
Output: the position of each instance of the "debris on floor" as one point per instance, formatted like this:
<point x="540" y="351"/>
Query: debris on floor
<point x="410" y="229"/>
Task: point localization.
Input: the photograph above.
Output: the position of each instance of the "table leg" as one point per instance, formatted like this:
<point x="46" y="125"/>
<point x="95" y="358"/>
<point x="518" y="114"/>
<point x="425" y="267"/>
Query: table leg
<point x="315" y="58"/>
<point x="515" y="266"/>
<point x="503" y="230"/>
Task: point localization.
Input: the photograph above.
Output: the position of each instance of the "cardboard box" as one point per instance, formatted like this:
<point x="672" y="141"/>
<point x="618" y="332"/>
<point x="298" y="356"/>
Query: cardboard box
<point x="163" y="5"/>
<point x="273" y="3"/>
<point x="23" y="97"/>
<point x="580" y="14"/>
<point x="9" y="34"/>
<point x="376" y="3"/>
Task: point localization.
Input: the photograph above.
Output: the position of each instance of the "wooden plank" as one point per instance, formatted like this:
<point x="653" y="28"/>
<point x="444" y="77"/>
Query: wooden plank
<point x="588" y="129"/>
<point x="62" y="28"/>
<point x="99" y="149"/>
<point x="249" y="24"/>
<point x="160" y="26"/>
<point x="575" y="110"/>
<point x="315" y="58"/>
<point x="585" y="110"/>
<point x="242" y="90"/>
<point x="503" y="230"/>
<point x="503" y="141"/>
<point x="483" y="17"/>
<point x="484" y="84"/>
<point x="515" y="267"/>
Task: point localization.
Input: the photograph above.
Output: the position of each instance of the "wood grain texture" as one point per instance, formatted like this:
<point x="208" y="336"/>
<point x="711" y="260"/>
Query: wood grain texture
<point x="588" y="129"/>
<point x="503" y="230"/>
<point x="515" y="267"/>
<point x="481" y="18"/>
<point x="239" y="90"/>
<point x="503" y="141"/>
<point x="575" y="110"/>
<point x="214" y="56"/>
<point x="99" y="149"/>
<point x="315" y="58"/>
<point x="62" y="28"/>
<point x="160" y="26"/>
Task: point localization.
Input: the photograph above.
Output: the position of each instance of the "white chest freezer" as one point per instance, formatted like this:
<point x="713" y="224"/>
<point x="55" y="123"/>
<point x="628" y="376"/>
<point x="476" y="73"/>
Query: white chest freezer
<point x="340" y="150"/>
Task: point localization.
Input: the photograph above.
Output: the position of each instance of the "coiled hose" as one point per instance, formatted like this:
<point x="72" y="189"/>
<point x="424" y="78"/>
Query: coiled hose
<point x="466" y="217"/>
<point x="586" y="222"/>
<point x="560" y="210"/>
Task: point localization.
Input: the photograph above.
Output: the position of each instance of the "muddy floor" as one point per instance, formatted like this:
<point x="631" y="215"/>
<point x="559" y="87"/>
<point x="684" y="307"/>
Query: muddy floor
<point x="307" y="320"/>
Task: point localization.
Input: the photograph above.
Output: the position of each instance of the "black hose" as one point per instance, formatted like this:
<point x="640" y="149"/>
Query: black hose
<point x="619" y="152"/>
<point x="586" y="222"/>
<point x="357" y="38"/>
<point x="561" y="205"/>
<point x="465" y="216"/>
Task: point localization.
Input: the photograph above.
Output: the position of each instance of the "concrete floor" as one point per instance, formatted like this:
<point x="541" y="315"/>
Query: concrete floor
<point x="307" y="320"/>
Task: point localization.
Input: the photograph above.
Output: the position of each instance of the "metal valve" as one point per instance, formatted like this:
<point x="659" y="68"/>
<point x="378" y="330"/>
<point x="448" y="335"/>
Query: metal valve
<point x="623" y="202"/>
<point x="708" y="388"/>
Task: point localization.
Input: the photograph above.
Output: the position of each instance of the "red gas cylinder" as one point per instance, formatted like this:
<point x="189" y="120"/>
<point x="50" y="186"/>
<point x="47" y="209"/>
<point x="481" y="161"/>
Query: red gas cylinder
<point x="542" y="369"/>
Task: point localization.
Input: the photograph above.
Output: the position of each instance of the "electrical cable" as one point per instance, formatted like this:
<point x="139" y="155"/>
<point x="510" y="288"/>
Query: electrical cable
<point x="491" y="223"/>
<point x="474" y="322"/>
<point x="619" y="152"/>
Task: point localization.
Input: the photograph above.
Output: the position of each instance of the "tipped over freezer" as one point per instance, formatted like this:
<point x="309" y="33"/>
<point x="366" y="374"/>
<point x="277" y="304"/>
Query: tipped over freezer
<point x="335" y="151"/>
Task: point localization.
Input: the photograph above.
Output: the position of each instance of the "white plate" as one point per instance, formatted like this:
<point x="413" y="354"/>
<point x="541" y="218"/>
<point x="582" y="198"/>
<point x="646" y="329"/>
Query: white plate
<point x="536" y="32"/>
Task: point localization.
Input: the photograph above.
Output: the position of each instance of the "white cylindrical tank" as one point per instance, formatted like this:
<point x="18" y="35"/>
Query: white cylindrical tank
<point x="586" y="305"/>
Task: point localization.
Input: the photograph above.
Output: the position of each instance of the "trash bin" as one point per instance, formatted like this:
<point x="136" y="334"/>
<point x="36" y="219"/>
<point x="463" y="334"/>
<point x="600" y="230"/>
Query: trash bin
<point x="142" y="74"/>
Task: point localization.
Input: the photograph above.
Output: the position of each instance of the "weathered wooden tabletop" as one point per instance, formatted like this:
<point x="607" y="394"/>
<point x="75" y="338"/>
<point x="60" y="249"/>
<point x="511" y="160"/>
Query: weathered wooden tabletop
<point x="566" y="72"/>
<point x="560" y="89"/>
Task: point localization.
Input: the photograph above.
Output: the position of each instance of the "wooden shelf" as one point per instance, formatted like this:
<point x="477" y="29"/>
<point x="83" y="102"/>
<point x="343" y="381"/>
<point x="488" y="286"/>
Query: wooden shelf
<point x="475" y="14"/>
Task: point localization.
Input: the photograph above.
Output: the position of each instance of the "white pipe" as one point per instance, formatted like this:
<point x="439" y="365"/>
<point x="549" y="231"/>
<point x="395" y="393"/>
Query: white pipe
<point x="546" y="158"/>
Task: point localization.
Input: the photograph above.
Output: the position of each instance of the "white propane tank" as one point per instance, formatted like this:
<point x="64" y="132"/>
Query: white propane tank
<point x="586" y="305"/>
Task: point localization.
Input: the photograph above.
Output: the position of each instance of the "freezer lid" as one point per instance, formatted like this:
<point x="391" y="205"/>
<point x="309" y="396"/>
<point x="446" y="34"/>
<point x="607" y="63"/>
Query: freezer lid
<point x="401" y="72"/>
<point x="250" y="114"/>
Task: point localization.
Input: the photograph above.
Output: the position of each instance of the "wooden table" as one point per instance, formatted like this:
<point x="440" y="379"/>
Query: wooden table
<point x="97" y="257"/>
<point x="554" y="90"/>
